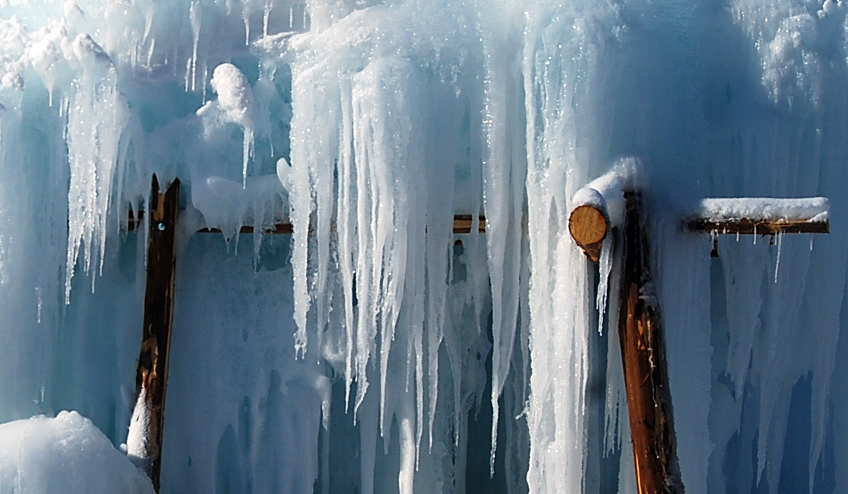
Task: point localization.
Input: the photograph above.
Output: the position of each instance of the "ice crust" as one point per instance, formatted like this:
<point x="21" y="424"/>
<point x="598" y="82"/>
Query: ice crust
<point x="64" y="454"/>
<point x="814" y="209"/>
<point x="370" y="351"/>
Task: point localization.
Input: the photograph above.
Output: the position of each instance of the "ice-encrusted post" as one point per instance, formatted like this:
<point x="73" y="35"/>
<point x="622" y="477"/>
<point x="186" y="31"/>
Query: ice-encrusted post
<point x="605" y="204"/>
<point x="144" y="444"/>
<point x="645" y="370"/>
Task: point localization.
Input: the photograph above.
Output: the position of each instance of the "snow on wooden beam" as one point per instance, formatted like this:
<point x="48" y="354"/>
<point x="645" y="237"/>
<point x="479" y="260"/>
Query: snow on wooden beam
<point x="761" y="216"/>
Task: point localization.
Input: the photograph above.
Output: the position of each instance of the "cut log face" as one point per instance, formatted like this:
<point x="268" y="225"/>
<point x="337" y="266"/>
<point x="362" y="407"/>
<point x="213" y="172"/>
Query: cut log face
<point x="588" y="226"/>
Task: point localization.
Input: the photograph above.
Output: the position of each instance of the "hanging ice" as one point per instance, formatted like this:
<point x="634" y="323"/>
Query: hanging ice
<point x="374" y="350"/>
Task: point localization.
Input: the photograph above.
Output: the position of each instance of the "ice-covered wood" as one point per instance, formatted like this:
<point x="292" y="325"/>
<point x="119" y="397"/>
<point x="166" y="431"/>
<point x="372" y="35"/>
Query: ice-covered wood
<point x="760" y="215"/>
<point x="145" y="438"/>
<point x="462" y="224"/>
<point x="640" y="331"/>
<point x="597" y="208"/>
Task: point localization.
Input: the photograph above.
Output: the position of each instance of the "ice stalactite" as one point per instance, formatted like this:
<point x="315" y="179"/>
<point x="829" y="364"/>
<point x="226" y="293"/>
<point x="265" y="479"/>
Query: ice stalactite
<point x="372" y="211"/>
<point x="504" y="165"/>
<point x="560" y="62"/>
<point x="369" y="125"/>
<point x="97" y="114"/>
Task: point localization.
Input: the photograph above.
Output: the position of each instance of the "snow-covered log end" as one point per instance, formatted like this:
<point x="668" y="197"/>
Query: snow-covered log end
<point x="598" y="207"/>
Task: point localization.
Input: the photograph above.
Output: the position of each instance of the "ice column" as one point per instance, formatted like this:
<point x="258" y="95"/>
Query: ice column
<point x="97" y="114"/>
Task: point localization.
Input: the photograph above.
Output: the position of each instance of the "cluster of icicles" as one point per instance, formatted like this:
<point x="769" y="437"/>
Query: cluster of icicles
<point x="394" y="118"/>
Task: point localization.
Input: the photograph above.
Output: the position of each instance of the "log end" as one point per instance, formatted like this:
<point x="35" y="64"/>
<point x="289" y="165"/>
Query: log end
<point x="588" y="227"/>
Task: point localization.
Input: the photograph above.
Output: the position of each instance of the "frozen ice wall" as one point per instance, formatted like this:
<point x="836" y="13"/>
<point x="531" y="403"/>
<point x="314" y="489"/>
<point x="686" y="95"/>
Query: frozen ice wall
<point x="374" y="350"/>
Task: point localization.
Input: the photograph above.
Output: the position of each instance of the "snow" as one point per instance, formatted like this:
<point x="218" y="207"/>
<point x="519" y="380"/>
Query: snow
<point x="606" y="193"/>
<point x="373" y="350"/>
<point x="813" y="209"/>
<point x="64" y="454"/>
<point x="138" y="437"/>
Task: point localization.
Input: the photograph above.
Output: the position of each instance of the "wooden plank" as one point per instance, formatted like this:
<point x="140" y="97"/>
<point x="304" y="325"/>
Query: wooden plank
<point x="645" y="373"/>
<point x="153" y="361"/>
<point x="462" y="224"/>
<point x="746" y="226"/>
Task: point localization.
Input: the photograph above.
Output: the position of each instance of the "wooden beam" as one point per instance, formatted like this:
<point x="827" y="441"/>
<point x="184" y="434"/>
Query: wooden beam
<point x="462" y="224"/>
<point x="645" y="373"/>
<point x="745" y="226"/>
<point x="152" y="371"/>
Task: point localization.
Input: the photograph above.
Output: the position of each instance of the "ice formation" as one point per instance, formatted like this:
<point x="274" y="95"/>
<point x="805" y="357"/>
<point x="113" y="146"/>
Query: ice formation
<point x="374" y="350"/>
<point x="64" y="454"/>
<point x="814" y="209"/>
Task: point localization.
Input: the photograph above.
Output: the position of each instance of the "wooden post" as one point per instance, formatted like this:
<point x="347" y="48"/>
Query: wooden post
<point x="645" y="374"/>
<point x="152" y="372"/>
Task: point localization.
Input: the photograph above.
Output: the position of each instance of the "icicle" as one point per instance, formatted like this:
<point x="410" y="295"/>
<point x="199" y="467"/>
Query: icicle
<point x="235" y="98"/>
<point x="245" y="15"/>
<point x="196" y="17"/>
<point x="779" y="249"/>
<point x="39" y="301"/>
<point x="266" y="16"/>
<point x="96" y="120"/>
<point x="605" y="265"/>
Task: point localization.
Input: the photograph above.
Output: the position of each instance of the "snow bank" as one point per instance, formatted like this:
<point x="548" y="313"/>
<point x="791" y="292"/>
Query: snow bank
<point x="62" y="455"/>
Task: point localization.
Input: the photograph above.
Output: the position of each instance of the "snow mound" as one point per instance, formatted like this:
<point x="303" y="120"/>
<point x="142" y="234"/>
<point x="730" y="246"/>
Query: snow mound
<point x="64" y="454"/>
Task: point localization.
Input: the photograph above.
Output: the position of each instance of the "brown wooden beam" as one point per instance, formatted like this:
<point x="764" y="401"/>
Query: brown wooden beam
<point x="645" y="373"/>
<point x="152" y="372"/>
<point x="462" y="224"/>
<point x="745" y="226"/>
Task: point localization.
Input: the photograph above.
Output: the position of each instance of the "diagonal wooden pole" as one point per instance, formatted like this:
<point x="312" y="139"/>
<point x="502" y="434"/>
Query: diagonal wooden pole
<point x="152" y="371"/>
<point x="645" y="372"/>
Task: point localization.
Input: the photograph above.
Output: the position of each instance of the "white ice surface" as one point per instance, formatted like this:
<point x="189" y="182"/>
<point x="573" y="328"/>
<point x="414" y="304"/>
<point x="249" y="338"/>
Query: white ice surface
<point x="813" y="209"/>
<point x="62" y="455"/>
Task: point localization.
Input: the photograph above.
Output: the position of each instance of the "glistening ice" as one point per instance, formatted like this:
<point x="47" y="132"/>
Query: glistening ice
<point x="373" y="349"/>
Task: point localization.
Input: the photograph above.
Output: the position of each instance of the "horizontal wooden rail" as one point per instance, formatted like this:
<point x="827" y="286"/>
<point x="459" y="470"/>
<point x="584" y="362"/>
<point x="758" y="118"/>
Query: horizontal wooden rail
<point x="745" y="226"/>
<point x="462" y="224"/>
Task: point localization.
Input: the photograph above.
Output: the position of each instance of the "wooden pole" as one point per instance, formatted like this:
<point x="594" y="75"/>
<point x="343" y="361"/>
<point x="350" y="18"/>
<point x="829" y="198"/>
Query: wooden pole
<point x="152" y="372"/>
<point x="645" y="374"/>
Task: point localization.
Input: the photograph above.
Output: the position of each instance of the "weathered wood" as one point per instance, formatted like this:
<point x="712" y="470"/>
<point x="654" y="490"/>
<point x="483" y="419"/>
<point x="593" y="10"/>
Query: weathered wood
<point x="152" y="372"/>
<point x="588" y="226"/>
<point x="746" y="226"/>
<point x="462" y="224"/>
<point x="645" y="374"/>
